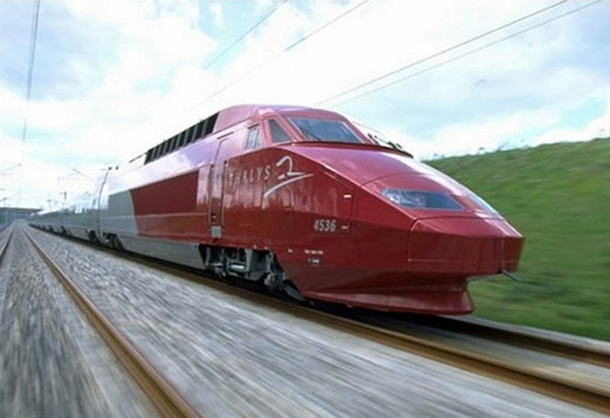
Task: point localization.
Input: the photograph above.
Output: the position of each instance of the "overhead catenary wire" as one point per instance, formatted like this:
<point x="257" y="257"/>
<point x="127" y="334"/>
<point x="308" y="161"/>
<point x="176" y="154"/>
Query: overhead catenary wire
<point x="31" y="60"/>
<point x="30" y="77"/>
<point x="324" y="26"/>
<point x="288" y="48"/>
<point x="465" y="54"/>
<point x="442" y="52"/>
<point x="242" y="37"/>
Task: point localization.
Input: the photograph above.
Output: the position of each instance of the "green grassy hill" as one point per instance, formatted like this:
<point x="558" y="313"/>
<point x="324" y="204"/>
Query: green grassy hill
<point x="558" y="196"/>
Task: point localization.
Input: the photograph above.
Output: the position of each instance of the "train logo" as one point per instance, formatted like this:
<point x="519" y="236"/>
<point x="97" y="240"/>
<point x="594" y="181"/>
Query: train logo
<point x="287" y="177"/>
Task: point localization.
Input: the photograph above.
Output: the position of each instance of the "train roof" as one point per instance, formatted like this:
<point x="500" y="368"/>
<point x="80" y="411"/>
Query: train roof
<point x="221" y="120"/>
<point x="236" y="114"/>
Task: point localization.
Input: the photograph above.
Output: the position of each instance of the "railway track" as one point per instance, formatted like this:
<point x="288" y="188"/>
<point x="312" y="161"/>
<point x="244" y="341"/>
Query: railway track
<point x="576" y="351"/>
<point x="546" y="364"/>
<point x="4" y="243"/>
<point x="429" y="338"/>
<point x="167" y="400"/>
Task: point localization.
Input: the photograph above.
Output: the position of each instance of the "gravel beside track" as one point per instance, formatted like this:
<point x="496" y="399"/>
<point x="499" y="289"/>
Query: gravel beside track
<point x="230" y="357"/>
<point x="581" y="368"/>
<point x="4" y="227"/>
<point x="51" y="363"/>
<point x="551" y="335"/>
<point x="4" y="235"/>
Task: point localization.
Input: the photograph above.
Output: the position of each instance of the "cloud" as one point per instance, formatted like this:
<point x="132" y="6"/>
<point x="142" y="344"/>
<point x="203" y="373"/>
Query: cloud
<point x="217" y="14"/>
<point x="11" y="151"/>
<point x="596" y="128"/>
<point x="112" y="81"/>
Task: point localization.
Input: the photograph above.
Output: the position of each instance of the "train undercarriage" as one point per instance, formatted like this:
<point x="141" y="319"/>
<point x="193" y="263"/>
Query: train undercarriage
<point x="227" y="263"/>
<point x="248" y="264"/>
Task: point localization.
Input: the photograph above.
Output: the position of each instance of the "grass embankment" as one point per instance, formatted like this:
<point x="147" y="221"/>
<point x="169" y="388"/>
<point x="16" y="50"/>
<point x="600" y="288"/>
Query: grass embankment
<point x="558" y="196"/>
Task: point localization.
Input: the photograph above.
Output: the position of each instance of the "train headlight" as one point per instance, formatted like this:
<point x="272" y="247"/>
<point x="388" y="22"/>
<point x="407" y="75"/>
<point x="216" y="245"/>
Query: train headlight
<point x="420" y="199"/>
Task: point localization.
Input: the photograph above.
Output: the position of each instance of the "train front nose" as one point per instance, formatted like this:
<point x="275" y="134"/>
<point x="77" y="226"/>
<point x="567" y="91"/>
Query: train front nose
<point x="462" y="246"/>
<point x="451" y="233"/>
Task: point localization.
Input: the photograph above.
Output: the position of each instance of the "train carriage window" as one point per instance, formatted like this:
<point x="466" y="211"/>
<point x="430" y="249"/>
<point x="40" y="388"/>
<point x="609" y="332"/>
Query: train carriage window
<point x="254" y="138"/>
<point x="277" y="133"/>
<point x="181" y="139"/>
<point x="198" y="131"/>
<point x="210" y="122"/>
<point x="189" y="135"/>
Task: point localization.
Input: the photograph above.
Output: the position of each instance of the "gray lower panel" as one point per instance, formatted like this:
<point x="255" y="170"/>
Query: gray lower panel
<point x="78" y="232"/>
<point x="174" y="251"/>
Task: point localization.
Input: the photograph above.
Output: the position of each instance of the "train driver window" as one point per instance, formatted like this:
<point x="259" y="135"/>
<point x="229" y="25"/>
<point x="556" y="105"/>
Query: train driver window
<point x="277" y="133"/>
<point x="254" y="138"/>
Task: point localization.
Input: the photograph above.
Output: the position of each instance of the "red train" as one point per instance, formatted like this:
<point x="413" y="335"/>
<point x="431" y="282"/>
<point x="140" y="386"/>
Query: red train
<point x="306" y="203"/>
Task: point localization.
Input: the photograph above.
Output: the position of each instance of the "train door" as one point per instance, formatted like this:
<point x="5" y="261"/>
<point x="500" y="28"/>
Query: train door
<point x="216" y="188"/>
<point x="215" y="214"/>
<point x="100" y="208"/>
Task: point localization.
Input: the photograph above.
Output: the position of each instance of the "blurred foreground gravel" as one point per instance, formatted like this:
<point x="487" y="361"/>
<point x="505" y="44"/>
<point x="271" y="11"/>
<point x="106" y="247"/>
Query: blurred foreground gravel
<point x="232" y="358"/>
<point x="51" y="363"/>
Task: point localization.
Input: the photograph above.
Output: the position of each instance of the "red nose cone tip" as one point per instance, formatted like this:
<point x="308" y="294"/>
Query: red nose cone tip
<point x="441" y="302"/>
<point x="463" y="247"/>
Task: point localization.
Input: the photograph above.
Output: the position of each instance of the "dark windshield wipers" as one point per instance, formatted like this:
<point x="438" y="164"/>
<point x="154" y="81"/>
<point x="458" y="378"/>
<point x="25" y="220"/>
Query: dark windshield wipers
<point x="308" y="134"/>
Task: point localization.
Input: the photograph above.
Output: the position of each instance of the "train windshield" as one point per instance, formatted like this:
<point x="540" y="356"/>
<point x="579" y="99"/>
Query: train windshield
<point x="325" y="130"/>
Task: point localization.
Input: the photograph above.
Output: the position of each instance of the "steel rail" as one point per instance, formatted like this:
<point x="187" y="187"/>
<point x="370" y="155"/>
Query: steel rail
<point x="167" y="400"/>
<point x="6" y="242"/>
<point x="583" y="393"/>
<point x="586" y="394"/>
<point x="495" y="332"/>
<point x="543" y="343"/>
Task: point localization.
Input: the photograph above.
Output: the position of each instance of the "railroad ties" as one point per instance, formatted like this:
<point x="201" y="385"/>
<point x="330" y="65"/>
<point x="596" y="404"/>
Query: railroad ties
<point x="225" y="350"/>
<point x="160" y="392"/>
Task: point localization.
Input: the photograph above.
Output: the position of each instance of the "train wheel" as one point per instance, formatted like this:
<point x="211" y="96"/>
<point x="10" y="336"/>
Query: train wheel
<point x="117" y="244"/>
<point x="93" y="238"/>
<point x="114" y="243"/>
<point x="277" y="280"/>
<point x="292" y="291"/>
<point x="274" y="274"/>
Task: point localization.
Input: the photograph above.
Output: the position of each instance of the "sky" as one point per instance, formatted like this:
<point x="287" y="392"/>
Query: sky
<point x="110" y="79"/>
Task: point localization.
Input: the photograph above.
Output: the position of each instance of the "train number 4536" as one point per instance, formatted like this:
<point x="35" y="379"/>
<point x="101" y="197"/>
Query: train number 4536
<point x="325" y="225"/>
